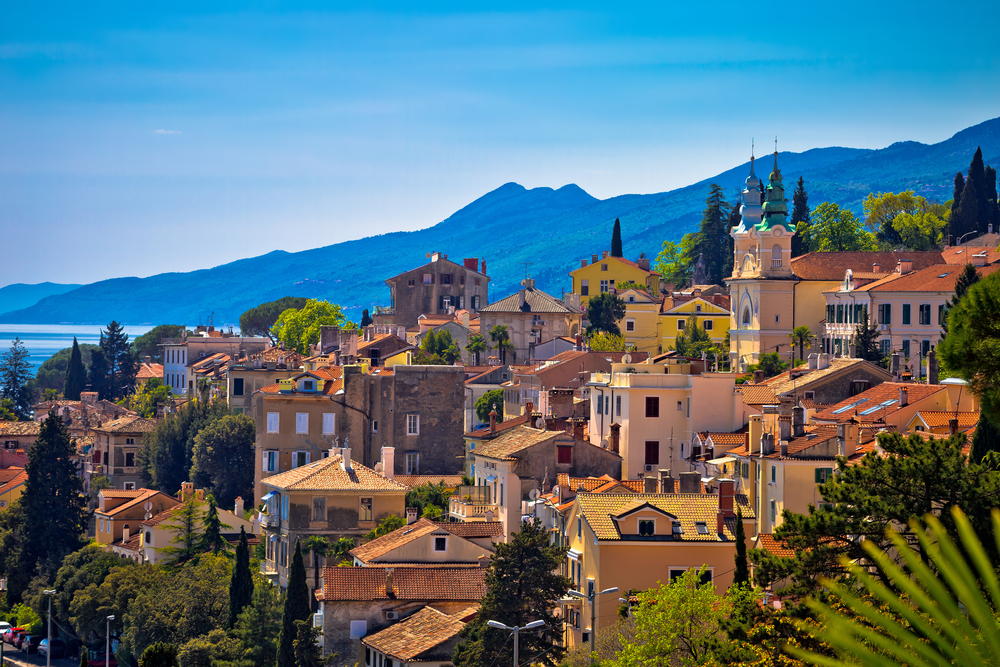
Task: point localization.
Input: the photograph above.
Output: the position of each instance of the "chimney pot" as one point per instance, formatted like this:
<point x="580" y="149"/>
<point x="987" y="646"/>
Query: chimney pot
<point x="758" y="376"/>
<point x="952" y="426"/>
<point x="411" y="515"/>
<point x="727" y="497"/>
<point x="345" y="461"/>
<point x="649" y="484"/>
<point x="238" y="508"/>
<point x="388" y="462"/>
<point x="389" y="590"/>
<point x="904" y="396"/>
<point x="690" y="482"/>
<point x="798" y="421"/>
<point x="615" y="437"/>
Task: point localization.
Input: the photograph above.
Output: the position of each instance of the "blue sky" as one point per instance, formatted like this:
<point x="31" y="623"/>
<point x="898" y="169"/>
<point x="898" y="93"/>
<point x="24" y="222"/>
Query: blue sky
<point x="177" y="136"/>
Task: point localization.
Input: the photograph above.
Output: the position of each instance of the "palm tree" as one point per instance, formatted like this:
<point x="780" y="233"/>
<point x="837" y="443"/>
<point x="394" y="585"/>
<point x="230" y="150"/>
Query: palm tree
<point x="340" y="551"/>
<point x="319" y="546"/>
<point x="803" y="337"/>
<point x="501" y="339"/>
<point x="476" y="345"/>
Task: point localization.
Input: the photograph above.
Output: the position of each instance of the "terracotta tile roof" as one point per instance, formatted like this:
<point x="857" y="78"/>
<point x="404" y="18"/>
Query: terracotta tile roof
<point x="941" y="418"/>
<point x="725" y="439"/>
<point x="292" y="359"/>
<point x="11" y="478"/>
<point x="535" y="301"/>
<point x="798" y="448"/>
<point x="332" y="376"/>
<point x="418" y="634"/>
<point x="466" y="584"/>
<point x="599" y="508"/>
<point x="511" y="442"/>
<point x="772" y="546"/>
<point x="147" y="494"/>
<point x="149" y="371"/>
<point x="938" y="278"/>
<point x="123" y="493"/>
<point x="132" y="544"/>
<point x="419" y="480"/>
<point x="474" y="529"/>
<point x="501" y="426"/>
<point x="757" y="394"/>
<point x="598" y="484"/>
<point x="380" y="546"/>
<point x="329" y="475"/>
<point x="381" y="339"/>
<point x="784" y="383"/>
<point x="130" y="424"/>
<point x="963" y="254"/>
<point x="885" y="395"/>
<point x="833" y="265"/>
<point x="21" y="428"/>
<point x="157" y="519"/>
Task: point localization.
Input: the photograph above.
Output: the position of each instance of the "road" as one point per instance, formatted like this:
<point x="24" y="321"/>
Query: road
<point x="15" y="658"/>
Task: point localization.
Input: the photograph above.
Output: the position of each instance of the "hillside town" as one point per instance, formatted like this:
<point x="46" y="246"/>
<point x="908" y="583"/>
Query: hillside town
<point x="678" y="461"/>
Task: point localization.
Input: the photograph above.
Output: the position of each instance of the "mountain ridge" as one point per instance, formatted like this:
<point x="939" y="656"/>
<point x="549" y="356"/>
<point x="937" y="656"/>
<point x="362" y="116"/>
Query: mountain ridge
<point x="550" y="228"/>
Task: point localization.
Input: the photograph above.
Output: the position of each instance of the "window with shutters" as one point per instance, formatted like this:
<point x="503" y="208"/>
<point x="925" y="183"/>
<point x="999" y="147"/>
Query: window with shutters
<point x="445" y="278"/>
<point x="647" y="527"/>
<point x="428" y="278"/>
<point x="708" y="325"/>
<point x="272" y="422"/>
<point x="564" y="454"/>
<point x="365" y="514"/>
<point x="652" y="452"/>
<point x="584" y="288"/>
<point x="906" y="313"/>
<point x="329" y="420"/>
<point x="301" y="423"/>
<point x="319" y="508"/>
<point x="652" y="406"/>
<point x="618" y="406"/>
<point x="300" y="459"/>
<point x="840" y="313"/>
<point x="270" y="461"/>
<point x="925" y="314"/>
<point x="823" y="475"/>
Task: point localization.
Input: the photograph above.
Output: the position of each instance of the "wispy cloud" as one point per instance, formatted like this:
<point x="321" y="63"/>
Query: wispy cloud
<point x="166" y="131"/>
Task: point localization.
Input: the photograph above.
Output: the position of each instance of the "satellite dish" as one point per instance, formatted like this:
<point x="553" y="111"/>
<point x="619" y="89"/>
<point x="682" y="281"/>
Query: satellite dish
<point x="626" y="358"/>
<point x="533" y="494"/>
<point x="555" y="491"/>
<point x="147" y="506"/>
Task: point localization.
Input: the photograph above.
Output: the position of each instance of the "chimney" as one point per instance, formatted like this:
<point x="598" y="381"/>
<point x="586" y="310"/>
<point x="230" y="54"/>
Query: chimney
<point x="187" y="490"/>
<point x="720" y="522"/>
<point x="583" y="263"/>
<point x="664" y="482"/>
<point x="411" y="515"/>
<point x="643" y="262"/>
<point x="493" y="420"/>
<point x="824" y="361"/>
<point x="482" y="269"/>
<point x="852" y="351"/>
<point x="932" y="367"/>
<point x="904" y="397"/>
<point x="605" y="254"/>
<point x="238" y="508"/>
<point x="649" y="484"/>
<point x="895" y="366"/>
<point x="813" y="361"/>
<point x="767" y="444"/>
<point x="690" y="482"/>
<point x="390" y="592"/>
<point x="345" y="461"/>
<point x="904" y="266"/>
<point x="148" y="359"/>
<point x="529" y="408"/>
<point x="876" y="268"/>
<point x="521" y="297"/>
<point x="783" y="448"/>
<point x="755" y="433"/>
<point x="784" y="428"/>
<point x="952" y="426"/>
<point x="465" y="319"/>
<point x="758" y="376"/>
<point x="471" y="263"/>
<point x="593" y="259"/>
<point x="579" y="342"/>
<point x="199" y="495"/>
<point x="578" y="425"/>
<point x="125" y="533"/>
<point x="979" y="259"/>
<point x="798" y="421"/>
<point x="727" y="497"/>
<point x="615" y="437"/>
<point x="388" y="462"/>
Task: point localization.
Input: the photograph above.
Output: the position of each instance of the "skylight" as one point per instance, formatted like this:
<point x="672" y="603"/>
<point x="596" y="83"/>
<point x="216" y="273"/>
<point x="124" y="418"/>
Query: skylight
<point x="851" y="406"/>
<point x="702" y="527"/>
<point x="883" y="404"/>
<point x="945" y="275"/>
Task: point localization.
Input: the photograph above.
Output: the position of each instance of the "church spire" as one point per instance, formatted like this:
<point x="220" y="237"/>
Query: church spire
<point x="750" y="211"/>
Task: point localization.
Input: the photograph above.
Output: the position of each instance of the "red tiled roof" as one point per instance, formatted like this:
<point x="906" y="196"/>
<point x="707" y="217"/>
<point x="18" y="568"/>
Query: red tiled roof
<point x="941" y="418"/>
<point x="473" y="529"/>
<point x="12" y="477"/>
<point x="768" y="543"/>
<point x="511" y="442"/>
<point x="883" y="393"/>
<point x="149" y="371"/>
<point x="408" y="583"/>
<point x="415" y="635"/>
<point x="21" y="428"/>
<point x="419" y="480"/>
<point x="757" y="394"/>
<point x="597" y="484"/>
<point x="132" y="424"/>
<point x="963" y="254"/>
<point x="147" y="494"/>
<point x="501" y="426"/>
<point x="833" y="265"/>
<point x="380" y="546"/>
<point x="938" y="278"/>
<point x="329" y="475"/>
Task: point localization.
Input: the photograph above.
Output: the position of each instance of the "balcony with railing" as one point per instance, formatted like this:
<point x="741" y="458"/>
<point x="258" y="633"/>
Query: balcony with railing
<point x="472" y="503"/>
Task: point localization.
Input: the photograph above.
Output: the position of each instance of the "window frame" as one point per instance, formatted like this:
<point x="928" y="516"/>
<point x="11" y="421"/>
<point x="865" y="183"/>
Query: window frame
<point x="269" y="460"/>
<point x="412" y="463"/>
<point x="367" y="502"/>
<point x="652" y="407"/>
<point x="412" y="423"/>
<point x="440" y="539"/>
<point x="276" y="417"/>
<point x="296" y="456"/>
<point x="332" y="418"/>
<point x="301" y="423"/>
<point x="648" y="447"/>
<point x="317" y="505"/>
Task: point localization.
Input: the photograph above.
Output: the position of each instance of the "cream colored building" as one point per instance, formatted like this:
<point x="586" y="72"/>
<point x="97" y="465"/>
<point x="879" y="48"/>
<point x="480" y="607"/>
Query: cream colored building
<point x="650" y="413"/>
<point x="531" y="316"/>
<point x="640" y="326"/>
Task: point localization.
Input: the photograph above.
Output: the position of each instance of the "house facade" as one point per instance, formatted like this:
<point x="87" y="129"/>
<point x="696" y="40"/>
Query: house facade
<point x="707" y="304"/>
<point x="531" y="316"/>
<point x="178" y="353"/>
<point x="116" y="446"/>
<point x="246" y="375"/>
<point x="604" y="274"/>
<point x="438" y="287"/>
<point x="120" y="512"/>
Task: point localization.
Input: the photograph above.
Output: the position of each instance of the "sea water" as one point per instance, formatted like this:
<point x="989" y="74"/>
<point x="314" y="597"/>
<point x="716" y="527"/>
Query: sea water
<point x="44" y="340"/>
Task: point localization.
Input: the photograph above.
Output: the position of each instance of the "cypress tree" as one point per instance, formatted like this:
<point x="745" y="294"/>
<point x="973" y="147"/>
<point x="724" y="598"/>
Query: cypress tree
<point x="968" y="216"/>
<point x="76" y="374"/>
<point x="297" y="608"/>
<point x="956" y="200"/>
<point x="616" y="240"/>
<point x="800" y="218"/>
<point x="990" y="188"/>
<point x="212" y="539"/>
<point x="969" y="277"/>
<point x="241" y="584"/>
<point x="55" y="509"/>
<point x="366" y="319"/>
<point x="742" y="573"/>
<point x="98" y="376"/>
<point x="985" y="440"/>
<point x="977" y="176"/>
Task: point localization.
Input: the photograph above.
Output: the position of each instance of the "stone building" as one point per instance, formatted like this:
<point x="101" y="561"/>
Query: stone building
<point x="438" y="287"/>
<point x="532" y="316"/>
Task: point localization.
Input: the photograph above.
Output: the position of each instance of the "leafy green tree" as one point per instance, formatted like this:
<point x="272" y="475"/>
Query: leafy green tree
<point x="429" y="499"/>
<point x="297" y="608"/>
<point x="742" y="573"/>
<point x="803" y="337"/>
<point x="521" y="586"/>
<point x="500" y="338"/>
<point x="866" y="340"/>
<point x="319" y="547"/>
<point x="605" y="311"/>
<point x="882" y="209"/>
<point x="223" y="458"/>
<point x="838" y="230"/>
<point x="972" y="347"/>
<point x="209" y="649"/>
<point x="486" y="403"/>
<point x="616" y="240"/>
<point x="241" y="583"/>
<point x="149" y="397"/>
<point x="711" y="240"/>
<point x="366" y="319"/>
<point x="385" y="526"/>
<point x="148" y="344"/>
<point x="603" y="341"/>
<point x="15" y="375"/>
<point x="97" y="374"/>
<point x="672" y="262"/>
<point x="306" y="645"/>
<point x="800" y="218"/>
<point x="212" y="539"/>
<point x="54" y="506"/>
<point x="7" y="410"/>
<point x="437" y="349"/>
<point x="340" y="551"/>
<point x="917" y="477"/>
<point x="770" y="363"/>
<point x="122" y="364"/>
<point x="298" y="328"/>
<point x="76" y="374"/>
<point x="260" y="320"/>
<point x="79" y="569"/>
<point x="922" y="230"/>
<point x="966" y="279"/>
<point x="186" y="542"/>
<point x="160" y="654"/>
<point x="167" y="453"/>
<point x="694" y="340"/>
<point x="476" y="345"/>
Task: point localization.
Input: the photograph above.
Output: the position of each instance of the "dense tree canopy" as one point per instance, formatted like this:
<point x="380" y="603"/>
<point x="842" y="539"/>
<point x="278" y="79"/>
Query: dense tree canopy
<point x="486" y="403"/>
<point x="75" y="373"/>
<point x="833" y="229"/>
<point x="167" y="453"/>
<point x="122" y="362"/>
<point x="298" y="328"/>
<point x="148" y="344"/>
<point x="711" y="239"/>
<point x="259" y="320"/>
<point x="15" y="375"/>
<point x="972" y="347"/>
<point x="223" y="458"/>
<point x="605" y="311"/>
<point x="800" y="218"/>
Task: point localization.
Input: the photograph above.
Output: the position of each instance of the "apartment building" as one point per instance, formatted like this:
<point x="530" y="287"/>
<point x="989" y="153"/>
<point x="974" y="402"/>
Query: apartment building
<point x="247" y="374"/>
<point x="179" y="353"/>
<point x="531" y="316"/>
<point x="605" y="273"/>
<point x="439" y="287"/>
<point x="116" y="448"/>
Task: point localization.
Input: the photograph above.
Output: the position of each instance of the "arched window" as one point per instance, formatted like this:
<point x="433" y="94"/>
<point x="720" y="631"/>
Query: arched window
<point x="776" y="257"/>
<point x="746" y="317"/>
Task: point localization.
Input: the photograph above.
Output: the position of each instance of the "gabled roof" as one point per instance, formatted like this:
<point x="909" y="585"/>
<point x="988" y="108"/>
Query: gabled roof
<point x="535" y="301"/>
<point x="757" y="394"/>
<point x="21" y="428"/>
<point x="505" y="446"/>
<point x="473" y="529"/>
<point x="415" y="635"/>
<point x="601" y="484"/>
<point x="803" y="378"/>
<point x="833" y="265"/>
<point x="768" y="543"/>
<point x="131" y="424"/>
<point x="599" y="508"/>
<point x="380" y="546"/>
<point x="147" y="494"/>
<point x="425" y="584"/>
<point x="877" y="402"/>
<point x="937" y="278"/>
<point x="941" y="418"/>
<point x="149" y="371"/>
<point x="329" y="475"/>
<point x="670" y="306"/>
<point x="963" y="254"/>
<point x="11" y="478"/>
<point x="610" y="258"/>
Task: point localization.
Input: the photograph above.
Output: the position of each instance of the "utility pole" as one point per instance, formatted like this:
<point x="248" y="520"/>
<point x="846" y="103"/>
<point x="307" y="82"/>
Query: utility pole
<point x="593" y="613"/>
<point x="48" y="634"/>
<point x="516" y="630"/>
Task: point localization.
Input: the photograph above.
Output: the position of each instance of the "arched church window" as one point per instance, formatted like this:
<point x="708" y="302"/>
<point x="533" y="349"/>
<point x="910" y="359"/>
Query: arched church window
<point x="746" y="317"/>
<point x="776" y="257"/>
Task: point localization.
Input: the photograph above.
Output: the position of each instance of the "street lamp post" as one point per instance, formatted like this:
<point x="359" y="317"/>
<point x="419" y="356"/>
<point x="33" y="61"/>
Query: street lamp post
<point x="628" y="607"/>
<point x="593" y="613"/>
<point x="530" y="626"/>
<point x="107" y="642"/>
<point x="48" y="634"/>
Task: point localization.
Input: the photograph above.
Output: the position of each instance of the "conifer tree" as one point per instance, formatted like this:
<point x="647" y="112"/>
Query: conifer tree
<point x="734" y="221"/>
<point x="711" y="236"/>
<point x="967" y="218"/>
<point x="977" y="176"/>
<point x="98" y="375"/>
<point x="969" y="277"/>
<point x="122" y="366"/>
<point x="800" y="218"/>
<point x="956" y="198"/>
<point x="616" y="240"/>
<point x="306" y="645"/>
<point x="990" y="190"/>
<point x="241" y="584"/>
<point x="742" y="573"/>
<point x="76" y="374"/>
<point x="366" y="319"/>
<point x="866" y="340"/>
<point x="521" y="586"/>
<point x="53" y="503"/>
<point x="15" y="373"/>
<point x="212" y="539"/>
<point x="186" y="542"/>
<point x="297" y="608"/>
<point x="986" y="438"/>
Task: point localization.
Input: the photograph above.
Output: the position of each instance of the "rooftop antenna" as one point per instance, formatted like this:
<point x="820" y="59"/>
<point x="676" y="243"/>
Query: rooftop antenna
<point x="526" y="265"/>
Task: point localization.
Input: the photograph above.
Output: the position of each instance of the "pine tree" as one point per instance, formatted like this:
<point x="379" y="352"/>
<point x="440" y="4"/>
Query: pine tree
<point x="122" y="366"/>
<point x="241" y="584"/>
<point x="98" y="375"/>
<point x="297" y="608"/>
<point x="956" y="200"/>
<point x="212" y="539"/>
<point x="986" y="438"/>
<point x="710" y="240"/>
<point x="521" y="586"/>
<point x="186" y="542"/>
<point x="366" y="319"/>
<point x="55" y="509"/>
<point x="969" y="277"/>
<point x="967" y="219"/>
<point x="15" y="374"/>
<point x="800" y="218"/>
<point x="742" y="573"/>
<point x="616" y="240"/>
<point x="76" y="375"/>
<point x="306" y="645"/>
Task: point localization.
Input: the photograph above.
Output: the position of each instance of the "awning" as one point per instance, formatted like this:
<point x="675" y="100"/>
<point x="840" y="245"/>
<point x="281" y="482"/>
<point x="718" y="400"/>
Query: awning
<point x="267" y="496"/>
<point x="491" y="478"/>
<point x="721" y="461"/>
<point x="573" y="553"/>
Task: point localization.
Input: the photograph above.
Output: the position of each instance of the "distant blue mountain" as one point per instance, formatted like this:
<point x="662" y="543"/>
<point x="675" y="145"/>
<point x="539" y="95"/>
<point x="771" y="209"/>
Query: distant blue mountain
<point x="550" y="229"/>
<point x="21" y="295"/>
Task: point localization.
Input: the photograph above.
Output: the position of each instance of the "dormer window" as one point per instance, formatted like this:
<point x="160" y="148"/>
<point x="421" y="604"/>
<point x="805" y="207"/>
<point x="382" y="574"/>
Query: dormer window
<point x="308" y="385"/>
<point x="678" y="531"/>
<point x="647" y="527"/>
<point x="702" y="527"/>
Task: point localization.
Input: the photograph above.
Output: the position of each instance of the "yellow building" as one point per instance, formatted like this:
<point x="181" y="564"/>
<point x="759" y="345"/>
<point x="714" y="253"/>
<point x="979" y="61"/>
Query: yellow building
<point x="640" y="324"/>
<point x="710" y="311"/>
<point x="605" y="273"/>
<point x="12" y="482"/>
<point x="635" y="541"/>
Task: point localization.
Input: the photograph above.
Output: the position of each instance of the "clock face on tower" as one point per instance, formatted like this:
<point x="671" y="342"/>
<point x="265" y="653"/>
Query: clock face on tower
<point x="777" y="231"/>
